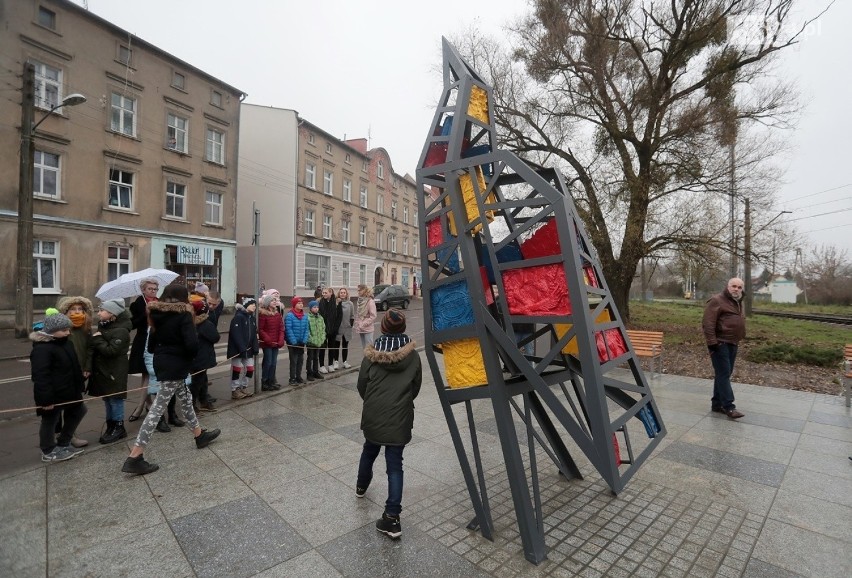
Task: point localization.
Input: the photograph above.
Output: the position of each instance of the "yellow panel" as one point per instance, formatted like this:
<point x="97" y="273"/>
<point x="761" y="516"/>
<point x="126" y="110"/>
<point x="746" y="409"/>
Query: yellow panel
<point x="463" y="363"/>
<point x="562" y="328"/>
<point x="469" y="197"/>
<point x="478" y="107"/>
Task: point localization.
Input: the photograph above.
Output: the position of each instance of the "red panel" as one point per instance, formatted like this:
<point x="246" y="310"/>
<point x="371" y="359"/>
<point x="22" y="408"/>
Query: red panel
<point x="543" y="243"/>
<point x="537" y="290"/>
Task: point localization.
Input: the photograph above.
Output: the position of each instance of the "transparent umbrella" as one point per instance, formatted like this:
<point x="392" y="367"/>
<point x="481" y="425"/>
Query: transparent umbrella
<point x="128" y="284"/>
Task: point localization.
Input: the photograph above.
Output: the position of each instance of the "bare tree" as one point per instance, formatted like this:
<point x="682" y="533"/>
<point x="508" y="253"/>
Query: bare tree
<point x="639" y="102"/>
<point x="828" y="275"/>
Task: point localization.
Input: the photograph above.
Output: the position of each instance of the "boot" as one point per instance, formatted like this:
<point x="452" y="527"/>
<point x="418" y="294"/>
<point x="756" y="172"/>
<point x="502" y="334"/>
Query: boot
<point x="116" y="433"/>
<point x="162" y="426"/>
<point x="138" y="466"/>
<point x="173" y="418"/>
<point x="265" y="386"/>
<point x="110" y="426"/>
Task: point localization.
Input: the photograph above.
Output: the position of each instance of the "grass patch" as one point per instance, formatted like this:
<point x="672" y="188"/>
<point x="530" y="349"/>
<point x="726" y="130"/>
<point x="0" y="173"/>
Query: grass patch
<point x="771" y="339"/>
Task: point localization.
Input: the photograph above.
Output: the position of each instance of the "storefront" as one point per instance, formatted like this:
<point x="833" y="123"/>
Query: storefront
<point x="195" y="264"/>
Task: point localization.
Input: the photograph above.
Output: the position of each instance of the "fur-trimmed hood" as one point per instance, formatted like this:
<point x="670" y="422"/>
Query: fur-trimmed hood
<point x="166" y="307"/>
<point x="41" y="337"/>
<point x="65" y="304"/>
<point x="199" y="319"/>
<point x="267" y="311"/>
<point x="389" y="358"/>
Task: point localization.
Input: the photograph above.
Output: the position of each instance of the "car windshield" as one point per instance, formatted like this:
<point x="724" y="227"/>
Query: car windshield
<point x="379" y="288"/>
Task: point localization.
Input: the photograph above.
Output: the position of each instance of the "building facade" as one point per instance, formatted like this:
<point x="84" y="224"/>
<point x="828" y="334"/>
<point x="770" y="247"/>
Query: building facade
<point x="338" y="216"/>
<point x="143" y="174"/>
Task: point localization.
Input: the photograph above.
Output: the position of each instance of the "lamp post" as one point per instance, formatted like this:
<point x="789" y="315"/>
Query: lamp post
<point x="24" y="280"/>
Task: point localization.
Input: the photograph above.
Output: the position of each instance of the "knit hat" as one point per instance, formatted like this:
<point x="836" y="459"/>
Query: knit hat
<point x="56" y="322"/>
<point x="50" y="311"/>
<point x="249" y="301"/>
<point x="393" y="322"/>
<point x="266" y="301"/>
<point x="313" y="304"/>
<point x="201" y="287"/>
<point x="114" y="306"/>
<point x="295" y="300"/>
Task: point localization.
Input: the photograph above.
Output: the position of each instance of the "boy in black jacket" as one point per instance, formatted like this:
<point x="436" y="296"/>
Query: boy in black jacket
<point x="242" y="347"/>
<point x="57" y="379"/>
<point x="208" y="336"/>
<point x="388" y="382"/>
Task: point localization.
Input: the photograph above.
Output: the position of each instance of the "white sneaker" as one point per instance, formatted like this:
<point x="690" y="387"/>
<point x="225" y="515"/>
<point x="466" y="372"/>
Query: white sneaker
<point x="336" y="365"/>
<point x="346" y="365"/>
<point x="322" y="369"/>
<point x="331" y="369"/>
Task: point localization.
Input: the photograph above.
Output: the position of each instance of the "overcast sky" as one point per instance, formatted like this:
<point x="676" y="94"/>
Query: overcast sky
<point x="370" y="67"/>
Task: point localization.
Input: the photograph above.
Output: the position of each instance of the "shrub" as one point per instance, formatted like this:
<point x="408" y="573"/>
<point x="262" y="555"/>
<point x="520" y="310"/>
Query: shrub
<point x="794" y="354"/>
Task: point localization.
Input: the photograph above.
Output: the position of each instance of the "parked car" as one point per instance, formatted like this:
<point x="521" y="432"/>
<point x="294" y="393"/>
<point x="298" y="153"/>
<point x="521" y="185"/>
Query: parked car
<point x="387" y="296"/>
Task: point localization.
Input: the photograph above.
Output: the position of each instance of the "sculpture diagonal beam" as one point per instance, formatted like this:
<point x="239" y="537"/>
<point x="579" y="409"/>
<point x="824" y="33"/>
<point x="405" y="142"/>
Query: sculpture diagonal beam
<point x="507" y="264"/>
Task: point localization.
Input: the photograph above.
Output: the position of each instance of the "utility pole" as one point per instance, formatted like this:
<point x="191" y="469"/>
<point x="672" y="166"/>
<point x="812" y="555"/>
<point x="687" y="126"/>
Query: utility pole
<point x="747" y="289"/>
<point x="255" y="240"/>
<point x="24" y="284"/>
<point x="733" y="211"/>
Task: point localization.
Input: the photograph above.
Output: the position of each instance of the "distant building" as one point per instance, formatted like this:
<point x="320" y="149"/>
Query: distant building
<point x="779" y="290"/>
<point x="141" y="175"/>
<point x="332" y="212"/>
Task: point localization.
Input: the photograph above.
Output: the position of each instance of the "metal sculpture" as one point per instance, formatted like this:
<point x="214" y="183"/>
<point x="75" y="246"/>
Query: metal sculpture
<point x="502" y="246"/>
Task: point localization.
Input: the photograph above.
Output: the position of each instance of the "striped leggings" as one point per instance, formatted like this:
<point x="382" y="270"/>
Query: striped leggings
<point x="167" y="390"/>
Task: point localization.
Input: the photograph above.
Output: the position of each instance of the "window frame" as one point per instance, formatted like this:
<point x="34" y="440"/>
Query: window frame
<point x="216" y="98"/>
<point x="38" y="257"/>
<point x="177" y="193"/>
<point x="362" y="274"/>
<point x="393" y="209"/>
<point x="405" y="214"/>
<point x="364" y="196"/>
<point x="362" y="236"/>
<point x="327" y="226"/>
<point x="328" y="182"/>
<point x="51" y="17"/>
<point x="122" y="111"/>
<point x="328" y="148"/>
<point x="345" y="226"/>
<point x="310" y="223"/>
<point x="178" y="85"/>
<point x="345" y="273"/>
<point x="380" y="204"/>
<point x="380" y="170"/>
<point x="210" y="205"/>
<point x="321" y="264"/>
<point x="120" y="184"/>
<point x="211" y="146"/>
<point x="39" y="170"/>
<point x="42" y="81"/>
<point x="119" y="262"/>
<point x="177" y="130"/>
<point x="311" y="176"/>
<point x="347" y="190"/>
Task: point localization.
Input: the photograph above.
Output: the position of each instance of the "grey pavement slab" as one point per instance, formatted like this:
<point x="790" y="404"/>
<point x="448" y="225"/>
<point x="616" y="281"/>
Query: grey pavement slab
<point x="770" y="495"/>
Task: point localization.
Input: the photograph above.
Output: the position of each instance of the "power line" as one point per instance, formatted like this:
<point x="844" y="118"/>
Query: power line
<point x="819" y="193"/>
<point x="817" y="215"/>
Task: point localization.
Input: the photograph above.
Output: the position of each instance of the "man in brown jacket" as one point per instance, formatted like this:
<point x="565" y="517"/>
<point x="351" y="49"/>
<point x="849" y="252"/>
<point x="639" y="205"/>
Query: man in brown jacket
<point x="724" y="328"/>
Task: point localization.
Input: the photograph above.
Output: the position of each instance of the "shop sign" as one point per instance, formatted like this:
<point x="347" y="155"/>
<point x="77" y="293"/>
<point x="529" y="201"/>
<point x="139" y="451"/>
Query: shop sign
<point x="194" y="255"/>
<point x="312" y="244"/>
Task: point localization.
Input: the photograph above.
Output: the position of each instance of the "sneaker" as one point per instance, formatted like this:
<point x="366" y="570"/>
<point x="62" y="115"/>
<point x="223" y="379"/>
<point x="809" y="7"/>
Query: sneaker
<point x="299" y="381"/>
<point x="734" y="413"/>
<point x="247" y="392"/>
<point x="330" y="369"/>
<point x="237" y="394"/>
<point x="60" y="454"/>
<point x="266" y="387"/>
<point x="322" y="369"/>
<point x="336" y="365"/>
<point x="389" y="525"/>
<point x="292" y="382"/>
<point x="208" y="407"/>
<point x="138" y="466"/>
<point x="310" y="377"/>
<point x="206" y="436"/>
<point x="346" y="365"/>
<point x="359" y="491"/>
<point x="79" y="443"/>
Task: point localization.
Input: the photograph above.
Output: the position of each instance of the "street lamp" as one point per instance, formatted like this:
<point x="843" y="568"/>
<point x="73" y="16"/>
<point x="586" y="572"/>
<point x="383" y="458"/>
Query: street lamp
<point x="24" y="281"/>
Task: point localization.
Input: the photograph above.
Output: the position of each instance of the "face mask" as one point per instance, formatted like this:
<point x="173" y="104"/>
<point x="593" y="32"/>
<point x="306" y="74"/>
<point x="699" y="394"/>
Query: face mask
<point x="77" y="319"/>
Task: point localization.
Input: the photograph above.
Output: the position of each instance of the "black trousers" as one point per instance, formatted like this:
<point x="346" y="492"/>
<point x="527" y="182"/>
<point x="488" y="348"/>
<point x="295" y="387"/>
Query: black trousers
<point x="71" y="416"/>
<point x="297" y="358"/>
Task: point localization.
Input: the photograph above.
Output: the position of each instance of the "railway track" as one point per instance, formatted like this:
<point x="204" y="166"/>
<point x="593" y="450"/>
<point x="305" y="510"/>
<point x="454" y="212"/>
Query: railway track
<point x="833" y="319"/>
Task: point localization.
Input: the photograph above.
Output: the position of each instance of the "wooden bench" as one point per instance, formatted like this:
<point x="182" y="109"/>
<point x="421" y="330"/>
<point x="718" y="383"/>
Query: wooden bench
<point x="846" y="378"/>
<point x="648" y="345"/>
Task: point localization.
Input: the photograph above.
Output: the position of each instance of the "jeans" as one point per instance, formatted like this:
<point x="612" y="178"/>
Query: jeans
<point x="393" y="461"/>
<point x="114" y="408"/>
<point x="297" y="357"/>
<point x="269" y="364"/>
<point x="314" y="363"/>
<point x="72" y="414"/>
<point x="366" y="339"/>
<point x="723" y="366"/>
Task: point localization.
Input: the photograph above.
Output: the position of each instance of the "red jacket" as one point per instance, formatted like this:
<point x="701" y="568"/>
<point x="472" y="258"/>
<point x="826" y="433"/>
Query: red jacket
<point x="270" y="328"/>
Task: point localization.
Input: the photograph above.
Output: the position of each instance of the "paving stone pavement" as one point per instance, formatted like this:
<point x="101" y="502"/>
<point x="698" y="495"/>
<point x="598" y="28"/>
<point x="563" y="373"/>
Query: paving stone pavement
<point x="767" y="495"/>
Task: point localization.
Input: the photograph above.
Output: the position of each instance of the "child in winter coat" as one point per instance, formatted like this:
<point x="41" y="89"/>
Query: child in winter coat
<point x="208" y="336"/>
<point x="57" y="379"/>
<point x="331" y="315"/>
<point x="242" y="347"/>
<point x="270" y="330"/>
<point x="110" y="365"/>
<point x="79" y="310"/>
<point x="316" y="341"/>
<point x="388" y="382"/>
<point x="296" y="335"/>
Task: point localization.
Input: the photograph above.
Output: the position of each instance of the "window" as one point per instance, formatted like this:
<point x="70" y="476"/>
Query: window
<point x="363" y="166"/>
<point x="380" y="240"/>
<point x="345" y="270"/>
<point x="362" y="236"/>
<point x="393" y="209"/>
<point x="405" y="246"/>
<point x="380" y="204"/>
<point x="48" y="85"/>
<point x="392" y="242"/>
<point x="327" y="182"/>
<point x="215" y="146"/>
<point x="344" y="227"/>
<point x="216" y="98"/>
<point x="348" y="159"/>
<point x="120" y="189"/>
<point x="416" y="247"/>
<point x="118" y="261"/>
<point x="45" y="266"/>
<point x="47" y="18"/>
<point x="328" y="148"/>
<point x="46" y="173"/>
<point x="415" y="216"/>
<point x="362" y="274"/>
<point x="310" y="176"/>
<point x="177" y="133"/>
<point x="363" y="196"/>
<point x="311" y="138"/>
<point x="309" y="222"/>
<point x="326" y="226"/>
<point x="178" y="80"/>
<point x="347" y="190"/>
<point x="124" y="54"/>
<point x="123" y="114"/>
<point x="380" y="170"/>
<point x="175" y="197"/>
<point x="405" y="214"/>
<point x="213" y="208"/>
<point x="317" y="269"/>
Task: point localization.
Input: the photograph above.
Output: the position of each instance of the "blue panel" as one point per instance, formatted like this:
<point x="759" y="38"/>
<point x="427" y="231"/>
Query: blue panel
<point x="509" y="253"/>
<point x="451" y="306"/>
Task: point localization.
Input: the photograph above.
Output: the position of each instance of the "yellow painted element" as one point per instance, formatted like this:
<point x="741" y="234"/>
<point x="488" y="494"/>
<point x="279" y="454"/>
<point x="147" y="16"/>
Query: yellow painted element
<point x="563" y="328"/>
<point x="478" y="107"/>
<point x="470" y="206"/>
<point x="464" y="364"/>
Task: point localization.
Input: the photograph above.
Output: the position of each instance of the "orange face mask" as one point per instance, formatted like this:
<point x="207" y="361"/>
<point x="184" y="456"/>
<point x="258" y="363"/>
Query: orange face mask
<point x="77" y="319"/>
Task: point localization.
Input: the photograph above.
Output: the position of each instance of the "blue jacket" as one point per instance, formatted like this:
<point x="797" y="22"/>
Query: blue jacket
<point x="297" y="330"/>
